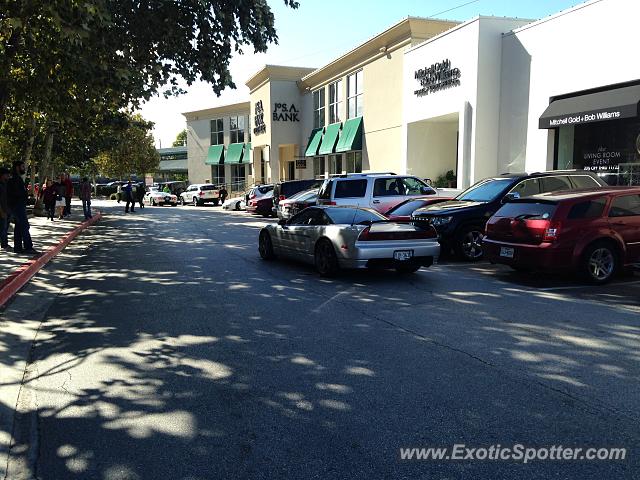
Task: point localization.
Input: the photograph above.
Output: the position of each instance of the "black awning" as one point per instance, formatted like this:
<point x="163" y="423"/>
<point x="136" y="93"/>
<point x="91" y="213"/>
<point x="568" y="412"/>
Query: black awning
<point x="593" y="107"/>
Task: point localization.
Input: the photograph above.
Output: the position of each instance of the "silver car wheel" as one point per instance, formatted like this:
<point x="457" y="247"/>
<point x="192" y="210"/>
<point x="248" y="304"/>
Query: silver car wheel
<point x="601" y="264"/>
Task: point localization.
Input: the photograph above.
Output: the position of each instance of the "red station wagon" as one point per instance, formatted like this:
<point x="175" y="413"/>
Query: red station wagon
<point x="594" y="232"/>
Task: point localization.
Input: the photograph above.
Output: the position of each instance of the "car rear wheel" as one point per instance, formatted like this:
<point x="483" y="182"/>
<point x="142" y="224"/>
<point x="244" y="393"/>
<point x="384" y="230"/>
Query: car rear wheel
<point x="469" y="244"/>
<point x="237" y="207"/>
<point x="409" y="267"/>
<point x="216" y="202"/>
<point x="265" y="246"/>
<point x="326" y="260"/>
<point x="599" y="263"/>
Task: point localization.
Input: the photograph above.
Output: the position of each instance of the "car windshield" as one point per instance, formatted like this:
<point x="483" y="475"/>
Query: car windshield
<point x="348" y="216"/>
<point x="304" y="195"/>
<point x="407" y="208"/>
<point x="485" y="190"/>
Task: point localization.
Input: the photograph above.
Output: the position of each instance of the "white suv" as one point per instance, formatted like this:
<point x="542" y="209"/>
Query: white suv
<point x="199" y="194"/>
<point x="378" y="191"/>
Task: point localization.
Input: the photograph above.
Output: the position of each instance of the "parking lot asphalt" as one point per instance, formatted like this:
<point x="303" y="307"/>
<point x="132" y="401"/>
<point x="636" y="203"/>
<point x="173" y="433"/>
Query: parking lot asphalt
<point x="173" y="351"/>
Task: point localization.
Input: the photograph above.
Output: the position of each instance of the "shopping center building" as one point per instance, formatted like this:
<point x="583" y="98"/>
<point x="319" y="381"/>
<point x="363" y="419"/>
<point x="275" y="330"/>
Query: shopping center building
<point x="427" y="97"/>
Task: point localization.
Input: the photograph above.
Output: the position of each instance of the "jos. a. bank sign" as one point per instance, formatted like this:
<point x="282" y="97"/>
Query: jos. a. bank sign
<point x="438" y="76"/>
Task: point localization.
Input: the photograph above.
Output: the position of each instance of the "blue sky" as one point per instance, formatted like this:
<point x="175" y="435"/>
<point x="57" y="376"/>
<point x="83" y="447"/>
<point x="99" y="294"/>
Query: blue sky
<point x="322" y="30"/>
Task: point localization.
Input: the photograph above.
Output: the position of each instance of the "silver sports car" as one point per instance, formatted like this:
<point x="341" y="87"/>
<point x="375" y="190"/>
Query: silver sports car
<point x="349" y="237"/>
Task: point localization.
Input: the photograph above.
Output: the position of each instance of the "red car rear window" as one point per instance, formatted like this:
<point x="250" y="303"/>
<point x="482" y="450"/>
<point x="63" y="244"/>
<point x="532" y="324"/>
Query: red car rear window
<point x="530" y="210"/>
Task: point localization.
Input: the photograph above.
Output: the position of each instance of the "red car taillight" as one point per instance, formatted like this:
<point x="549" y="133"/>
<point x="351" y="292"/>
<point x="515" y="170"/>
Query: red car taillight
<point x="282" y="197"/>
<point x="201" y="194"/>
<point x="551" y="232"/>
<point x="367" y="235"/>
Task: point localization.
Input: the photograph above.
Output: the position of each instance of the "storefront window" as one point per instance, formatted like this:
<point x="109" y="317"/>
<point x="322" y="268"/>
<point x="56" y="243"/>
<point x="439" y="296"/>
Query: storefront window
<point x="238" y="176"/>
<point x="318" y="108"/>
<point x="335" y="164"/>
<point x="354" y="95"/>
<point x="318" y="167"/>
<point x="335" y="101"/>
<point x="217" y="174"/>
<point x="609" y="149"/>
<point x="354" y="162"/>
<point x="237" y="129"/>
<point x="217" y="134"/>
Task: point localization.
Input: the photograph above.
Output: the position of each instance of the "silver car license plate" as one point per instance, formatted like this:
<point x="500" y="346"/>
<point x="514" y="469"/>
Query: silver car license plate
<point x="507" y="252"/>
<point x="403" y="255"/>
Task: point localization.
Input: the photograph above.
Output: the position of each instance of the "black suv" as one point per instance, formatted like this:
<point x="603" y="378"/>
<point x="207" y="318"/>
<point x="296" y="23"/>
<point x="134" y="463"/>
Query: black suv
<point x="460" y="222"/>
<point x="284" y="190"/>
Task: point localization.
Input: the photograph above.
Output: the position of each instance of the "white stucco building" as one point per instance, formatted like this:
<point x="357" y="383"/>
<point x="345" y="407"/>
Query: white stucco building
<point x="427" y="97"/>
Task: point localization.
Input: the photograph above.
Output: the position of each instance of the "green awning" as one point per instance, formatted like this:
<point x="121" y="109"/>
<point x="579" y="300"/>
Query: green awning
<point x="314" y="142"/>
<point x="215" y="155"/>
<point x="351" y="138"/>
<point x="235" y="153"/>
<point x="330" y="139"/>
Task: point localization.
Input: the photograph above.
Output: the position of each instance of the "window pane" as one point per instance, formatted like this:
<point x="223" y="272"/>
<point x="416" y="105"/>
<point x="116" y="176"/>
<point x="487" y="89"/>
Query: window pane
<point x="584" y="181"/>
<point x="220" y="138"/>
<point x="351" y="188"/>
<point x="626" y="206"/>
<point x="351" y="108"/>
<point x="527" y="188"/>
<point x="241" y="123"/>
<point x="359" y="106"/>
<point x="351" y="86"/>
<point x="233" y="123"/>
<point x="240" y="136"/>
<point x="359" y="84"/>
<point x="316" y="99"/>
<point x="220" y="127"/>
<point x="590" y="209"/>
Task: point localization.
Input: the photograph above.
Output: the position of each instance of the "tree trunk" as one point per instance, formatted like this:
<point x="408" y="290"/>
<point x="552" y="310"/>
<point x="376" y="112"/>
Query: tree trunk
<point x="44" y="167"/>
<point x="28" y="149"/>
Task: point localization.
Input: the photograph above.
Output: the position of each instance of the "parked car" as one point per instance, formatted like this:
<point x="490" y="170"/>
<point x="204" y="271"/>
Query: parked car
<point x="347" y="237"/>
<point x="199" y="194"/>
<point x="593" y="232"/>
<point x="175" y="187"/>
<point x="298" y="202"/>
<point x="378" y="191"/>
<point x="460" y="222"/>
<point x="257" y="191"/>
<point x="262" y="205"/>
<point x="284" y="190"/>
<point x="402" y="212"/>
<point x="236" y="203"/>
<point x="156" y="197"/>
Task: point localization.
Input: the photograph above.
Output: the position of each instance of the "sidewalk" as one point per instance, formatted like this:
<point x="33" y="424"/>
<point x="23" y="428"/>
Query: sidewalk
<point x="45" y="234"/>
<point x="17" y="330"/>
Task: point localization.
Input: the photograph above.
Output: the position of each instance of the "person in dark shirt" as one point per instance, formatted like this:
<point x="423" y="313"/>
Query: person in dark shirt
<point x="17" y="201"/>
<point x="140" y="191"/>
<point x="4" y="208"/>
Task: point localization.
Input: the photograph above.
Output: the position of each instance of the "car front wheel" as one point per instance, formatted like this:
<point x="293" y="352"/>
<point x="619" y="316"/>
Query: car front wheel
<point x="599" y="263"/>
<point x="326" y="260"/>
<point x="469" y="244"/>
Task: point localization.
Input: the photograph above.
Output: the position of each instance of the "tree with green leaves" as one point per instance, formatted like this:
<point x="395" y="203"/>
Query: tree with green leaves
<point x="133" y="153"/>
<point x="181" y="139"/>
<point x="60" y="58"/>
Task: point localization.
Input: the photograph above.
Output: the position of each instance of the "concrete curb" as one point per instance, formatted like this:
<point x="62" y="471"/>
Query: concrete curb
<point x="19" y="278"/>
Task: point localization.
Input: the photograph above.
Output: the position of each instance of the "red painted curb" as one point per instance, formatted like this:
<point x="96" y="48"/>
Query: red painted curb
<point x="19" y="278"/>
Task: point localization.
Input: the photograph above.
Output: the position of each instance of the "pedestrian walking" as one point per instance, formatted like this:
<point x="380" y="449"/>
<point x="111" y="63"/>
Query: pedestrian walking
<point x="128" y="197"/>
<point x="118" y="193"/>
<point x="61" y="203"/>
<point x="85" y="196"/>
<point x="223" y="194"/>
<point x="49" y="198"/>
<point x="140" y="191"/>
<point x="5" y="214"/>
<point x="68" y="193"/>
<point x="17" y="201"/>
